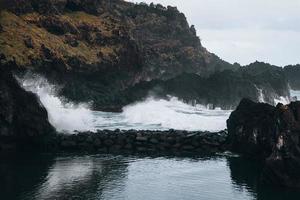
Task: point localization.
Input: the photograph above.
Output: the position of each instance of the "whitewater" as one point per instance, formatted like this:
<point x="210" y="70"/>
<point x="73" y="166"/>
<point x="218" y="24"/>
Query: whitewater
<point x="150" y="114"/>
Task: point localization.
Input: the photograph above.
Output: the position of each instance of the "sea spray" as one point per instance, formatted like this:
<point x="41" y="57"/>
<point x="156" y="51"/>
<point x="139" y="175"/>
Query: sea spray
<point x="281" y="99"/>
<point x="64" y="116"/>
<point x="175" y="114"/>
<point x="151" y="114"/>
<point x="261" y="97"/>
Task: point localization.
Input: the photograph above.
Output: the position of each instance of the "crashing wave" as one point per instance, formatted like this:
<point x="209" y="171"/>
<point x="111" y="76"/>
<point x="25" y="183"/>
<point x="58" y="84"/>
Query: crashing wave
<point x="64" y="116"/>
<point x="151" y="114"/>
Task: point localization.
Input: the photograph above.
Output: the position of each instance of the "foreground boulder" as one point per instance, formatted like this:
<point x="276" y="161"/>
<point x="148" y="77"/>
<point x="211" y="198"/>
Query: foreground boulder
<point x="251" y="128"/>
<point x="270" y="134"/>
<point x="23" y="120"/>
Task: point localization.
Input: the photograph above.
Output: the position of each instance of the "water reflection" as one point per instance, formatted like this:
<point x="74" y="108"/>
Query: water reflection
<point x="135" y="178"/>
<point x="246" y="175"/>
<point x="85" y="177"/>
<point x="21" y="173"/>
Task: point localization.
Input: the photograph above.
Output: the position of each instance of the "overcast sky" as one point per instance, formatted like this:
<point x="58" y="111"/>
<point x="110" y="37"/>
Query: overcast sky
<point x="244" y="31"/>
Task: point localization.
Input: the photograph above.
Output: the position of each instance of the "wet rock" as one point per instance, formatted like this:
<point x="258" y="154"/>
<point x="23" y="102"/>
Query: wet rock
<point x="128" y="146"/>
<point x="68" y="144"/>
<point x="177" y="145"/>
<point x="154" y="141"/>
<point x="97" y="142"/>
<point x="251" y="128"/>
<point x="142" y="149"/>
<point x="23" y="119"/>
<point x="108" y="142"/>
<point x="115" y="148"/>
<point x="141" y="138"/>
<point x="271" y="135"/>
<point x="145" y="141"/>
<point x="89" y="139"/>
<point x="188" y="148"/>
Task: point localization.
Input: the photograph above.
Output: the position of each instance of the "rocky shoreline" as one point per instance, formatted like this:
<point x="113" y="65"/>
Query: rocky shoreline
<point x="153" y="142"/>
<point x="113" y="53"/>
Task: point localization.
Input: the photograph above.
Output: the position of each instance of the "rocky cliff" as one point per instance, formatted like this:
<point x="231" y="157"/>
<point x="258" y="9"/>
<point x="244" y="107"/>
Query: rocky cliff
<point x="97" y="48"/>
<point x="112" y="52"/>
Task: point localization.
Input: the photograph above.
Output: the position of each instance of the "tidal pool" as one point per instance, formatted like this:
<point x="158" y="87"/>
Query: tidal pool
<point x="110" y="177"/>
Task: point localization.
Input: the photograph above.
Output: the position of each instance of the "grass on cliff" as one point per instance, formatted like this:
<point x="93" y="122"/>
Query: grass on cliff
<point x="17" y="29"/>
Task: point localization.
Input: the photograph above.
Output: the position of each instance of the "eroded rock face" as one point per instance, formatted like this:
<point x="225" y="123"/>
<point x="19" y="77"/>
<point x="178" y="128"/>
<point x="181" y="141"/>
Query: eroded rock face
<point x="23" y="120"/>
<point x="270" y="134"/>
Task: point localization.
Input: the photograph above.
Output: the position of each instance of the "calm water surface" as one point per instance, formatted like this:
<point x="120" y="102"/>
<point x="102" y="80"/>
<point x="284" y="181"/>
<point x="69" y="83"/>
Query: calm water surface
<point x="110" y="177"/>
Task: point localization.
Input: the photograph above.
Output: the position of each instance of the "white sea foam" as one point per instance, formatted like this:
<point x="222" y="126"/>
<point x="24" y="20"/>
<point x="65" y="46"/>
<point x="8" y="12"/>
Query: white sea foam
<point x="66" y="117"/>
<point x="175" y="114"/>
<point x="283" y="100"/>
<point x="295" y="96"/>
<point x="261" y="97"/>
<point x="151" y="114"/>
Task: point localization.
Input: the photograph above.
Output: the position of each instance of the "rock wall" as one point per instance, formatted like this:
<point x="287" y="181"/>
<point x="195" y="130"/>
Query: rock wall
<point x="153" y="142"/>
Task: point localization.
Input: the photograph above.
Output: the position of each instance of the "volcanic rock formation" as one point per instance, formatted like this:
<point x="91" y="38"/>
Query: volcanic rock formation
<point x="23" y="120"/>
<point x="270" y="134"/>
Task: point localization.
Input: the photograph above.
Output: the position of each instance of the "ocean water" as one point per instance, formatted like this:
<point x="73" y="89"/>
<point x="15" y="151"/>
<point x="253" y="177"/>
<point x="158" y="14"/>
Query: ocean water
<point x="150" y="114"/>
<point x="108" y="177"/>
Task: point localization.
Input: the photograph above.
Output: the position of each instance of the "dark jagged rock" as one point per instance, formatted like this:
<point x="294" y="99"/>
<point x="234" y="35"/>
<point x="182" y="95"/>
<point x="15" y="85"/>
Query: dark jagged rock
<point x="223" y="89"/>
<point x="270" y="134"/>
<point x="270" y="79"/>
<point x="293" y="73"/>
<point x="282" y="166"/>
<point x="252" y="128"/>
<point x="258" y="82"/>
<point x="23" y="120"/>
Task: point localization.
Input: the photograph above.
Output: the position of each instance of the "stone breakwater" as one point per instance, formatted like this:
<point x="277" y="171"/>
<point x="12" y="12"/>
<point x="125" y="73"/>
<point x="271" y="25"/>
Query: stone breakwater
<point x="132" y="141"/>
